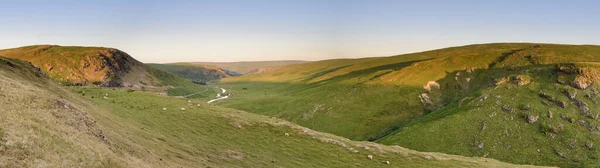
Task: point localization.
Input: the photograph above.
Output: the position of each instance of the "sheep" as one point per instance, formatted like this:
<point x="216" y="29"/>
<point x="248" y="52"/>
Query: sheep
<point x="370" y="157"/>
<point x="105" y="97"/>
<point x="165" y="109"/>
<point x="198" y="105"/>
<point x="286" y="134"/>
<point x="182" y="109"/>
<point x="189" y="101"/>
<point x="387" y="162"/>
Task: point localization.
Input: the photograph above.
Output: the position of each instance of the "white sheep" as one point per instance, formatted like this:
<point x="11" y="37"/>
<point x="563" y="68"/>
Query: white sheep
<point x="105" y="97"/>
<point x="370" y="157"/>
<point x="189" y="101"/>
<point x="387" y="162"/>
<point x="182" y="109"/>
<point x="286" y="134"/>
<point x="198" y="105"/>
<point x="165" y="109"/>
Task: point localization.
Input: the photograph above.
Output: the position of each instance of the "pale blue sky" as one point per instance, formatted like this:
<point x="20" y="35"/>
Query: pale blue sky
<point x="248" y="30"/>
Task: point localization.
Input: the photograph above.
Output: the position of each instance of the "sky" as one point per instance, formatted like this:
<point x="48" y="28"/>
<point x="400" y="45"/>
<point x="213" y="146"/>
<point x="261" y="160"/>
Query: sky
<point x="258" y="30"/>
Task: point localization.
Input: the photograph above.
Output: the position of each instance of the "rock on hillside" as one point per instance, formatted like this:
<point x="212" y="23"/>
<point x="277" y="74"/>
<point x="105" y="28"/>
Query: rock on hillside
<point x="86" y="65"/>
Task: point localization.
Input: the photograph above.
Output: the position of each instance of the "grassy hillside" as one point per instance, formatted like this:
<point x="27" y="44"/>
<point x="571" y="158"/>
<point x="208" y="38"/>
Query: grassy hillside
<point x="429" y="100"/>
<point x="249" y="67"/>
<point x="547" y="120"/>
<point x="73" y="65"/>
<point x="43" y="125"/>
<point x="193" y="73"/>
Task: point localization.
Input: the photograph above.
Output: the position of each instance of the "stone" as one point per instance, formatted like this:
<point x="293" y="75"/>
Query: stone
<point x="481" y="145"/>
<point x="507" y="109"/>
<point x="531" y="118"/>
<point x="561" y="103"/>
<point x="431" y="85"/>
<point x="571" y="94"/>
<point x="580" y="84"/>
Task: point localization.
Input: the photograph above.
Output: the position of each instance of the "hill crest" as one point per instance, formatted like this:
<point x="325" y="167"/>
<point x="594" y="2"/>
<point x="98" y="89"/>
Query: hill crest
<point x="75" y="65"/>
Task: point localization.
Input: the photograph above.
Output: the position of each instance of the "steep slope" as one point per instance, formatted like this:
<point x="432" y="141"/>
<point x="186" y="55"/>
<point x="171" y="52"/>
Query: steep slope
<point x="43" y="125"/>
<point x="543" y="114"/>
<point x="249" y="67"/>
<point x="432" y="100"/>
<point x="72" y="65"/>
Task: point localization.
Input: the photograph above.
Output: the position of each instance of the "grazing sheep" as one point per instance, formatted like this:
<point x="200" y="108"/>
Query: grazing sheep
<point x="387" y="162"/>
<point x="370" y="157"/>
<point x="189" y="101"/>
<point x="182" y="109"/>
<point x="165" y="109"/>
<point x="198" y="105"/>
<point x="105" y="97"/>
<point x="286" y="134"/>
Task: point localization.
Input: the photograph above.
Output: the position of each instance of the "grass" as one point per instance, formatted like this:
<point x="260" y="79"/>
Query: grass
<point x="561" y="139"/>
<point x="209" y="136"/>
<point x="37" y="131"/>
<point x="64" y="64"/>
<point x="45" y="125"/>
<point x="193" y="73"/>
<point x="371" y="98"/>
<point x="248" y="67"/>
<point x="326" y="108"/>
<point x="73" y="65"/>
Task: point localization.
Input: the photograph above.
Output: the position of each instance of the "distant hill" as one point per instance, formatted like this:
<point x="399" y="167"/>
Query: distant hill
<point x="192" y="72"/>
<point x="517" y="102"/>
<point x="73" y="65"/>
<point x="250" y="67"/>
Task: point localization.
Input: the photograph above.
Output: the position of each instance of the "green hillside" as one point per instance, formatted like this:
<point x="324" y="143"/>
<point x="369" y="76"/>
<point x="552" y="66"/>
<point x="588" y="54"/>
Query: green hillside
<point x="249" y="67"/>
<point x="100" y="66"/>
<point x="431" y="100"/>
<point x="194" y="73"/>
<point x="45" y="125"/>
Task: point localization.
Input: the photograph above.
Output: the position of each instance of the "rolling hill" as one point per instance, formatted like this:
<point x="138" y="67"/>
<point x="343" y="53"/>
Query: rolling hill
<point x="46" y="125"/>
<point x="517" y="102"/>
<point x="100" y="66"/>
<point x="249" y="67"/>
<point x="191" y="72"/>
<point x="72" y="65"/>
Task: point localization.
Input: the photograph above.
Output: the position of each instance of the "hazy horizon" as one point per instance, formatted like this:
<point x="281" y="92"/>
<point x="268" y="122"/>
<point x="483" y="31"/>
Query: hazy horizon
<point x="235" y="31"/>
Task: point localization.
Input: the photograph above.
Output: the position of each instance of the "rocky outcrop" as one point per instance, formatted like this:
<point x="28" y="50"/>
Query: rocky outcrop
<point x="99" y="66"/>
<point x="578" y="75"/>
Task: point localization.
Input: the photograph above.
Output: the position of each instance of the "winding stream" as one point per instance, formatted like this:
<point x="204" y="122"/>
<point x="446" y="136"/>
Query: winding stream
<point x="219" y="97"/>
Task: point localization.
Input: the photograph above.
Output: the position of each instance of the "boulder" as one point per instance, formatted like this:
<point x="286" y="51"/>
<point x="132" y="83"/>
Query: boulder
<point x="581" y="83"/>
<point x="431" y="85"/>
<point x="531" y="118"/>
